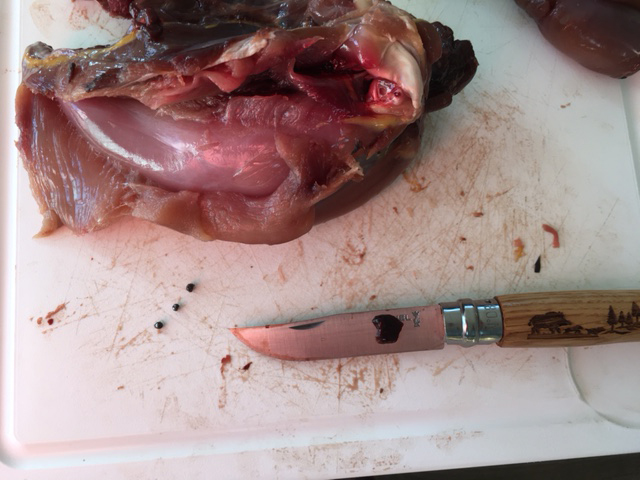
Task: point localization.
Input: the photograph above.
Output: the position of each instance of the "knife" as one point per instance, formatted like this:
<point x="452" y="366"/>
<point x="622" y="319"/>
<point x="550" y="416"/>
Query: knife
<point x="553" y="319"/>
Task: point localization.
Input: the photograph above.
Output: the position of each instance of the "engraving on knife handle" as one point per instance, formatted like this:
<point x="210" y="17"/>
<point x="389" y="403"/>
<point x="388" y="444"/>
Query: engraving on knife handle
<point x="550" y="323"/>
<point x="554" y="325"/>
<point x="623" y="323"/>
<point x="570" y="318"/>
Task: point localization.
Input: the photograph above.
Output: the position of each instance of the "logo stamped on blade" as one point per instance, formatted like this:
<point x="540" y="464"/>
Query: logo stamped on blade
<point x="415" y="318"/>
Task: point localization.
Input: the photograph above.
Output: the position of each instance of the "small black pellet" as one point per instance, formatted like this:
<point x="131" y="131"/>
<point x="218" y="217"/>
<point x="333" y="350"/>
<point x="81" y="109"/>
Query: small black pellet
<point x="176" y="307"/>
<point x="190" y="287"/>
<point x="158" y="325"/>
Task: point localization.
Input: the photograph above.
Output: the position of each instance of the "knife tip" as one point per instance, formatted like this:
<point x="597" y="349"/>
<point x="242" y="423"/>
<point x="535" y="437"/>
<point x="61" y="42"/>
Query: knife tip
<point x="236" y="331"/>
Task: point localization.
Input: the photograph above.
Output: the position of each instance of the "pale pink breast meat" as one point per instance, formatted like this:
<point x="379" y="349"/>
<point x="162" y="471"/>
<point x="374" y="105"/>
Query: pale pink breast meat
<point x="73" y="184"/>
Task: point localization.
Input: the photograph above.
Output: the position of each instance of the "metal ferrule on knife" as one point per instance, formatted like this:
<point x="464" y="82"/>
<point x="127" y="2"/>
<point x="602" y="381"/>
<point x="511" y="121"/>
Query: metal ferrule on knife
<point x="472" y="322"/>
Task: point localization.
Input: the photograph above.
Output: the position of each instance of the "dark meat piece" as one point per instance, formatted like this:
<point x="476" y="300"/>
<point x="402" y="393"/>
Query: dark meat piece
<point x="210" y="118"/>
<point x="278" y="13"/>
<point x="602" y="35"/>
<point x="453" y="70"/>
<point x="119" y="8"/>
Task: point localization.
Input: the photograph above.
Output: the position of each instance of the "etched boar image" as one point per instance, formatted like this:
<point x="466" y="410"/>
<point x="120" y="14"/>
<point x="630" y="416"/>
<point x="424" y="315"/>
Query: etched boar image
<point x="574" y="329"/>
<point x="550" y="321"/>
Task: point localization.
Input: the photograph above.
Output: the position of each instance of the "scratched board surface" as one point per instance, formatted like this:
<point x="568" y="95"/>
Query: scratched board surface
<point x="534" y="139"/>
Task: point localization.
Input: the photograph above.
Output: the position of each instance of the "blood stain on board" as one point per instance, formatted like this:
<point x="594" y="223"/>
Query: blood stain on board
<point x="446" y="440"/>
<point x="492" y="196"/>
<point x="518" y="249"/>
<point x="41" y="13"/>
<point x="441" y="368"/>
<point x="361" y="381"/>
<point x="352" y="381"/>
<point x="354" y="254"/>
<point x="224" y="361"/>
<point x="79" y="16"/>
<point x="349" y="379"/>
<point x="50" y="16"/>
<point x="556" y="237"/>
<point x="48" y="317"/>
<point x="281" y="275"/>
<point x="139" y="339"/>
<point x="85" y="15"/>
<point x="222" y="395"/>
<point x="416" y="184"/>
<point x="56" y="310"/>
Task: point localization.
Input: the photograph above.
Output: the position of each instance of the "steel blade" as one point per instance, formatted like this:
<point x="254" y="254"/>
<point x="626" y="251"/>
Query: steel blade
<point x="349" y="334"/>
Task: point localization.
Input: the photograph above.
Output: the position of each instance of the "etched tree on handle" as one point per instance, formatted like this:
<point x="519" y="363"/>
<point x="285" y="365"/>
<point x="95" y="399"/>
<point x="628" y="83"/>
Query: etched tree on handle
<point x="635" y="312"/>
<point x="628" y="320"/>
<point x="611" y="318"/>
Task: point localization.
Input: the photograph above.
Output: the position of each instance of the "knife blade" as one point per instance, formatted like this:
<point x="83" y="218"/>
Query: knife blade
<point x="552" y="319"/>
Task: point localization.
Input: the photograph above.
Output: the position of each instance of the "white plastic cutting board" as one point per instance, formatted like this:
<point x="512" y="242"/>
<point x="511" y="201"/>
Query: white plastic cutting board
<point x="101" y="394"/>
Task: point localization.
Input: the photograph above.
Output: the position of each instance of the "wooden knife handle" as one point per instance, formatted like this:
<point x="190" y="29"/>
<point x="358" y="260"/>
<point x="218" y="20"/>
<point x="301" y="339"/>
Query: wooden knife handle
<point x="570" y="319"/>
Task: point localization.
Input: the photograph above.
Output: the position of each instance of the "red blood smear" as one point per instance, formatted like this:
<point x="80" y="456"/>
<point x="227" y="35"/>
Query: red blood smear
<point x="554" y="232"/>
<point x="518" y="248"/>
<point x="223" y="362"/>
